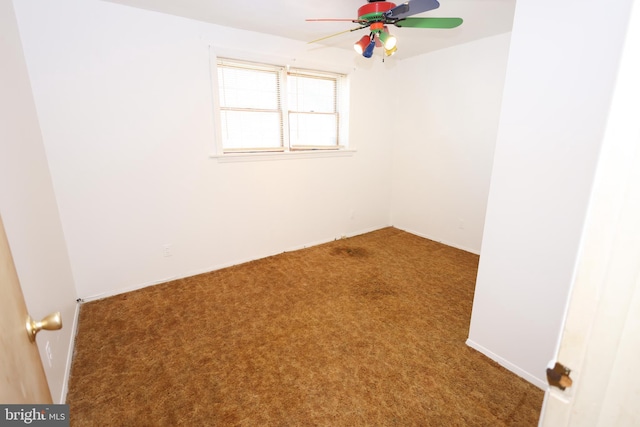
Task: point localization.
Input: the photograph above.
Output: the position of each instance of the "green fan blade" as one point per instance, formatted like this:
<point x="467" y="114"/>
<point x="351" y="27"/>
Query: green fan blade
<point x="429" y="22"/>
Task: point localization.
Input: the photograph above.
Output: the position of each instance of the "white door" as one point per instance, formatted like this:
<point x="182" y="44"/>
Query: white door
<point x="22" y="378"/>
<point x="601" y="338"/>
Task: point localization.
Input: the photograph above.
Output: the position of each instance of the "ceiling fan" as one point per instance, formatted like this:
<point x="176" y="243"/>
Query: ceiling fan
<point x="378" y="14"/>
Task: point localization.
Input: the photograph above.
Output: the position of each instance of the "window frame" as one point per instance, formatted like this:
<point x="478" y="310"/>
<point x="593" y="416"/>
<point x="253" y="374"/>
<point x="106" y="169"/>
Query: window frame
<point x="341" y="109"/>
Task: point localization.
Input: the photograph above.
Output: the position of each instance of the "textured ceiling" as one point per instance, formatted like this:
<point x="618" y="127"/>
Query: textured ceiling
<point x="286" y="18"/>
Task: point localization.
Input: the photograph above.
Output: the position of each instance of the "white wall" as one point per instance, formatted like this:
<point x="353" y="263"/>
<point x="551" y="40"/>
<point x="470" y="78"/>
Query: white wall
<point x="28" y="207"/>
<point x="562" y="65"/>
<point x="124" y="101"/>
<point x="445" y="129"/>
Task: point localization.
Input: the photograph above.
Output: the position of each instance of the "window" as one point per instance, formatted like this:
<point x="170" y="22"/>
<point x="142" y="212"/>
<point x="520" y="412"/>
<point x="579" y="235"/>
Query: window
<point x="267" y="108"/>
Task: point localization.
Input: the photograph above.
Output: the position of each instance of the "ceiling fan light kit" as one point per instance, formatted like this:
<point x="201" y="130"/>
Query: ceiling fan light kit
<point x="362" y="44"/>
<point x="368" y="52"/>
<point x="377" y="15"/>
<point x="389" y="41"/>
<point x="390" y="52"/>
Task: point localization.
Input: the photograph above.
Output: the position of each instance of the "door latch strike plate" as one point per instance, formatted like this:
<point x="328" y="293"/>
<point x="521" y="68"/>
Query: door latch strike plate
<point x="559" y="376"/>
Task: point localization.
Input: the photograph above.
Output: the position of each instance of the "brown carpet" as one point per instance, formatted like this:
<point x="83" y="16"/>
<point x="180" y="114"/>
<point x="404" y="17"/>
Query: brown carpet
<point x="368" y="330"/>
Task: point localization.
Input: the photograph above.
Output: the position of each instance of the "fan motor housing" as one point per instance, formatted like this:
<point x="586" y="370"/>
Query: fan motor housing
<point x="374" y="10"/>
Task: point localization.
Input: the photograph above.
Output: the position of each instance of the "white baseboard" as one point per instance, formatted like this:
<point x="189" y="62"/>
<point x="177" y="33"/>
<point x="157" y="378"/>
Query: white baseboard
<point x="209" y="269"/>
<point x="70" y="352"/>
<point x="453" y="245"/>
<point x="540" y="383"/>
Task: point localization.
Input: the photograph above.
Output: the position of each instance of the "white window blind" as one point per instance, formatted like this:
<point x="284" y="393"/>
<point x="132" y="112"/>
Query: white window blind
<point x="313" y="111"/>
<point x="250" y="110"/>
<point x="266" y="108"/>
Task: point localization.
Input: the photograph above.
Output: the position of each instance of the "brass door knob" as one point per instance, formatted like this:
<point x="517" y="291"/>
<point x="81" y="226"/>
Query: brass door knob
<point x="52" y="322"/>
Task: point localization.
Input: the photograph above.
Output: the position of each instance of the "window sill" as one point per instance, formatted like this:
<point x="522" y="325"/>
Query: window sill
<point x="287" y="155"/>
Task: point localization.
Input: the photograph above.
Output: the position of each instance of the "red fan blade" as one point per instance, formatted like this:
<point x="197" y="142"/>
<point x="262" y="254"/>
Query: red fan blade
<point x="357" y="21"/>
<point x="330" y="20"/>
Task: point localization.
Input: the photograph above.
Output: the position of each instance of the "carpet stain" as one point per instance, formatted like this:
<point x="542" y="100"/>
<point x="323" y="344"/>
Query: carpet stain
<point x="374" y="289"/>
<point x="356" y="252"/>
